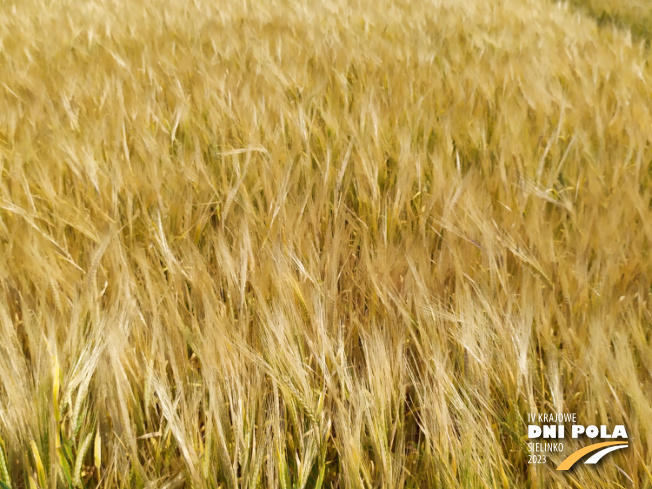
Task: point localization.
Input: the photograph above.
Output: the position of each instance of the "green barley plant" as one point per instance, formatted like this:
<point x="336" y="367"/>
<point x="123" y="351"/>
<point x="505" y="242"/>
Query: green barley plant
<point x="634" y="16"/>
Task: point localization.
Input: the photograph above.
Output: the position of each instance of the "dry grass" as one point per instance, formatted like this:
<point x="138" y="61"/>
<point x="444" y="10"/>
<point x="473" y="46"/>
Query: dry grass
<point x="276" y="244"/>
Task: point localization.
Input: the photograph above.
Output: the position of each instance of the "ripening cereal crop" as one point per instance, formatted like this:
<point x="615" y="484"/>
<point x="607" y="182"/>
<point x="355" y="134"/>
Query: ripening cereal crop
<point x="297" y="244"/>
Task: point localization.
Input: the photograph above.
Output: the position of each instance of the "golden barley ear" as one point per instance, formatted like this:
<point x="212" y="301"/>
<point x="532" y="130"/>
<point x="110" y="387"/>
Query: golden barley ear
<point x="79" y="461"/>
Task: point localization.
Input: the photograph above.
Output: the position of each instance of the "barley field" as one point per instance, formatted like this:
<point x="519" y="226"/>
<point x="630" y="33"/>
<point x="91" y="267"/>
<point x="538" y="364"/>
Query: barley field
<point x="296" y="244"/>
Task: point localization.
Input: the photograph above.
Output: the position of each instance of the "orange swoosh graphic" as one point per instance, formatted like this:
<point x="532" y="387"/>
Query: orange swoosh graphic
<point x="575" y="456"/>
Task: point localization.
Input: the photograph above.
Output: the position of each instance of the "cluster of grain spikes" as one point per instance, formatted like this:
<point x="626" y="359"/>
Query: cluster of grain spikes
<point x="281" y="244"/>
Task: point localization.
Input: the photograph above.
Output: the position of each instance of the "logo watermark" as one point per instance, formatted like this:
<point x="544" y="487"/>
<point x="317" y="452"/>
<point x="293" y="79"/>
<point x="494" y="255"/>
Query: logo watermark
<point x="547" y="433"/>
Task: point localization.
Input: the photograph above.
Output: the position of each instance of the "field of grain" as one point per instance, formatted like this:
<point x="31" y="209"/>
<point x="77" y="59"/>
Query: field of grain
<point x="296" y="245"/>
